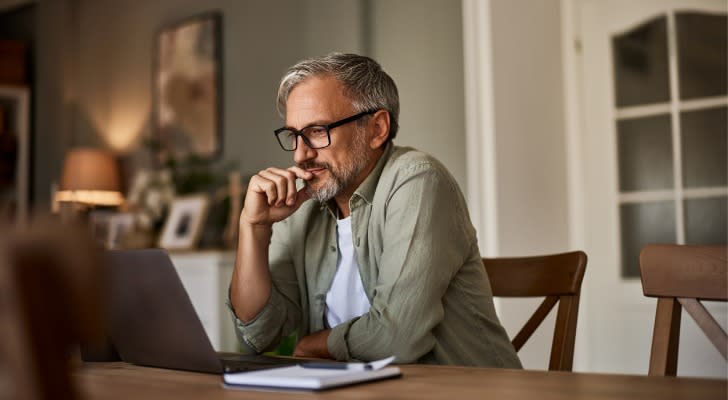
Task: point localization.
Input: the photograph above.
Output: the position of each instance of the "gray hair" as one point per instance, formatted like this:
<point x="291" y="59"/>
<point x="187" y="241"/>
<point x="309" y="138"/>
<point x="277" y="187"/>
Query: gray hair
<point x="364" y="80"/>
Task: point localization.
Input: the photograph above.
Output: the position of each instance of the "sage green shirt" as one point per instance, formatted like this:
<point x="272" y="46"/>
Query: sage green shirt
<point x="419" y="263"/>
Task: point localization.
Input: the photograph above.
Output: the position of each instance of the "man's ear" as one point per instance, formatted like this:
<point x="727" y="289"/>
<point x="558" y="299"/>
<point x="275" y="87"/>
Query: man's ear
<point x="379" y="123"/>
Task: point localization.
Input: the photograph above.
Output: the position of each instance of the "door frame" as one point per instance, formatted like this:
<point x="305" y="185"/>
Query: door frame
<point x="574" y="127"/>
<point x="479" y="124"/>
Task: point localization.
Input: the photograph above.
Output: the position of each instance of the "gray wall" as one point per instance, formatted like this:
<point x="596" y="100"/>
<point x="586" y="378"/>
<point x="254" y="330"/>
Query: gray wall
<point x="53" y="117"/>
<point x="419" y="42"/>
<point x="96" y="58"/>
<point x="260" y="40"/>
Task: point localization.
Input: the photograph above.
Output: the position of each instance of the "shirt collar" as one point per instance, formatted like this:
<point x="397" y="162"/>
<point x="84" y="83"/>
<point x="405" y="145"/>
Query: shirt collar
<point x="367" y="188"/>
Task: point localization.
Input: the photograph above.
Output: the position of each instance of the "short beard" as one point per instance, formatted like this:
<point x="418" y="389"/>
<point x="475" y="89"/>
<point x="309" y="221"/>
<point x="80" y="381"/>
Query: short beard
<point x="344" y="176"/>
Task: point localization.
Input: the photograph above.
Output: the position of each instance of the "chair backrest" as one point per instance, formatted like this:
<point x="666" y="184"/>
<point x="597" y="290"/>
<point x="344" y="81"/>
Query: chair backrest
<point x="680" y="276"/>
<point x="557" y="277"/>
<point x="49" y="301"/>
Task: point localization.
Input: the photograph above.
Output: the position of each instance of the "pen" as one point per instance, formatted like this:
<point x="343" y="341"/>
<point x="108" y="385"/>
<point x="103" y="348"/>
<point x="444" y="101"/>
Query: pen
<point x="355" y="366"/>
<point x="332" y="365"/>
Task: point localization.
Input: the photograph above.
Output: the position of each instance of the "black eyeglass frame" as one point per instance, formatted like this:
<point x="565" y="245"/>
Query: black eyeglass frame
<point x="327" y="127"/>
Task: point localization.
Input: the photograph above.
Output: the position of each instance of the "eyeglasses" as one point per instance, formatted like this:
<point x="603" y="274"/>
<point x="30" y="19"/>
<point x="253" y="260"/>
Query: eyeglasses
<point x="315" y="136"/>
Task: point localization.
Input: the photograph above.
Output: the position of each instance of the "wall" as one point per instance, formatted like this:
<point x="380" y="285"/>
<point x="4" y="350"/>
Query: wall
<point x="529" y="126"/>
<point x="101" y="96"/>
<point x="95" y="72"/>
<point x="419" y="43"/>
<point x="53" y="115"/>
<point x="531" y="200"/>
<point x="260" y="40"/>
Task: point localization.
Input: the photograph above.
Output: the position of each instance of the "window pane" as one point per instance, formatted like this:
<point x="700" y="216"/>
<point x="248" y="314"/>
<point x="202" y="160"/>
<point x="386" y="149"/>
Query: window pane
<point x="705" y="147"/>
<point x="701" y="51"/>
<point x="645" y="153"/>
<point x="705" y="220"/>
<point x="640" y="64"/>
<point x="644" y="223"/>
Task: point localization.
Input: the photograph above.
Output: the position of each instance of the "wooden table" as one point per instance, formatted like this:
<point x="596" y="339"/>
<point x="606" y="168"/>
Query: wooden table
<point x="125" y="381"/>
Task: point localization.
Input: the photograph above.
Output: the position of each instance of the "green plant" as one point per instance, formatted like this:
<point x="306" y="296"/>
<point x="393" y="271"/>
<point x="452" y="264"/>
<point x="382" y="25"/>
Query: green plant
<point x="191" y="174"/>
<point x="286" y="346"/>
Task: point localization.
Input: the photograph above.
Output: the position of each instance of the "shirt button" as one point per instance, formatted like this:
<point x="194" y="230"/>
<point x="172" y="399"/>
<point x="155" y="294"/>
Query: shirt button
<point x="333" y="248"/>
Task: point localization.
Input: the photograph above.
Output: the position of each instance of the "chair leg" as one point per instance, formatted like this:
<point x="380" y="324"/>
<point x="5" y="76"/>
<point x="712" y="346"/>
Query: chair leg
<point x="665" y="338"/>
<point x="562" y="346"/>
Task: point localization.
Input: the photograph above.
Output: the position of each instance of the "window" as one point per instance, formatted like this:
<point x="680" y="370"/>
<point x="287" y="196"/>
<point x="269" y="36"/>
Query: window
<point x="671" y="110"/>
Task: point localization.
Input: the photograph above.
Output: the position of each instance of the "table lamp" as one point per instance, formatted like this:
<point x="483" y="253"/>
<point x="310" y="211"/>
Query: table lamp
<point x="90" y="178"/>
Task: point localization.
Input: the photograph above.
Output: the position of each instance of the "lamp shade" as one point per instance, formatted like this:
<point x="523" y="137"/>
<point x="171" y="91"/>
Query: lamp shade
<point x="91" y="176"/>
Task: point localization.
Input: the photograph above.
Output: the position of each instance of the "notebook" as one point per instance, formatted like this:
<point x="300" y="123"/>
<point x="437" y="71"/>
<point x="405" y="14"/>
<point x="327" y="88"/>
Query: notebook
<point x="151" y="320"/>
<point x="312" y="376"/>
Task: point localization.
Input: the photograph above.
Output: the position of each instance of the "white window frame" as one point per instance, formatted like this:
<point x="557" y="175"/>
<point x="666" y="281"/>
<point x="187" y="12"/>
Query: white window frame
<point x="678" y="194"/>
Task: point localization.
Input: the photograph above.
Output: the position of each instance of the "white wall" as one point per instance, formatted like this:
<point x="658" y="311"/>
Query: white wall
<point x="529" y="126"/>
<point x="530" y="157"/>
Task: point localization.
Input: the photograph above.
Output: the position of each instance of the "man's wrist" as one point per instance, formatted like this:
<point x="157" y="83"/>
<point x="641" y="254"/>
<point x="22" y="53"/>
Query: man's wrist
<point x="243" y="223"/>
<point x="323" y="345"/>
<point x="260" y="233"/>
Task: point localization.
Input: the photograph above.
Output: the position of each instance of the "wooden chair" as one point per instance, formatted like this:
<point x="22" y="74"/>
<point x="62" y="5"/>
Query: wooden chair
<point x="49" y="301"/>
<point x="680" y="276"/>
<point x="557" y="277"/>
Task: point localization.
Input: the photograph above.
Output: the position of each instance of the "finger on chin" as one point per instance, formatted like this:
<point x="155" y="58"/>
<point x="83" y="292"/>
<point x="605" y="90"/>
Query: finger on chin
<point x="301" y="173"/>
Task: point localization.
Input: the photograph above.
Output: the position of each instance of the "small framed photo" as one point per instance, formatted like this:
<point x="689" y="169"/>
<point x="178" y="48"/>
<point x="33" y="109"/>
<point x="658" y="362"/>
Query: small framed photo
<point x="99" y="225"/>
<point x="184" y="223"/>
<point x="110" y="227"/>
<point x="120" y="225"/>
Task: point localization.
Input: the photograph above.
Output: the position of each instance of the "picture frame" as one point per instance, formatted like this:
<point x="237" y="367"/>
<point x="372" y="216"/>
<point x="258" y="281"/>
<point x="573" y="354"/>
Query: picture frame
<point x="110" y="227"/>
<point x="120" y="225"/>
<point x="98" y="221"/>
<point x="187" y="92"/>
<point x="184" y="223"/>
<point x="14" y="153"/>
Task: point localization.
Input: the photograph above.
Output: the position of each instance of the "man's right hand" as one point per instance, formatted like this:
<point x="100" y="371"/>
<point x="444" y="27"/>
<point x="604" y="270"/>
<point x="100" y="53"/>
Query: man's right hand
<point x="272" y="195"/>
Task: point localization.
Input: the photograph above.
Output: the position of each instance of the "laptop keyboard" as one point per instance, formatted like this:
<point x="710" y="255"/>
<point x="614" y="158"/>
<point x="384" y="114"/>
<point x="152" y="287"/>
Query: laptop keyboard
<point x="244" y="362"/>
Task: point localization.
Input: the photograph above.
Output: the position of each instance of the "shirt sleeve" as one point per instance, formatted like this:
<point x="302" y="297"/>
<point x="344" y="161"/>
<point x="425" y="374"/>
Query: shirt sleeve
<point x="427" y="235"/>
<point x="282" y="313"/>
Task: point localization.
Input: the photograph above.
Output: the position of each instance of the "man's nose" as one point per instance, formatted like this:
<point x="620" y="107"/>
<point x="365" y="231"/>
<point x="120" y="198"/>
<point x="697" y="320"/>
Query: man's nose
<point x="303" y="152"/>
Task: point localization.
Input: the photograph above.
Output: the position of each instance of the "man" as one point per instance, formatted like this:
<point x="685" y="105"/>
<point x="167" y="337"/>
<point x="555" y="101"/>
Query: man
<point x="375" y="255"/>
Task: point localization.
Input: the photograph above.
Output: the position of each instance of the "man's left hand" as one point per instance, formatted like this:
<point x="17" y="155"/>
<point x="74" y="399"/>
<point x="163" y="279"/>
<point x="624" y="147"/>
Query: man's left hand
<point x="314" y="345"/>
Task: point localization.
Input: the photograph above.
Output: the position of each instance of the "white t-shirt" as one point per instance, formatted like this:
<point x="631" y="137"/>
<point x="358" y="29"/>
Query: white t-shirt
<point x="346" y="298"/>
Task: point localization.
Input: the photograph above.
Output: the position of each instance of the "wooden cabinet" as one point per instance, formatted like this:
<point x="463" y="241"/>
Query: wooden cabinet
<point x="206" y="277"/>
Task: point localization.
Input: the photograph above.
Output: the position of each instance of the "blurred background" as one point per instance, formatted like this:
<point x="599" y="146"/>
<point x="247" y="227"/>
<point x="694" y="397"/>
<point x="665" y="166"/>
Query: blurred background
<point x="569" y="124"/>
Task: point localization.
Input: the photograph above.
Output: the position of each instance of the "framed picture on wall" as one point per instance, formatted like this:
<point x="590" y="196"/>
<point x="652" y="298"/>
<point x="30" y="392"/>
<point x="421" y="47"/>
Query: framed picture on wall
<point x="184" y="223"/>
<point x="187" y="89"/>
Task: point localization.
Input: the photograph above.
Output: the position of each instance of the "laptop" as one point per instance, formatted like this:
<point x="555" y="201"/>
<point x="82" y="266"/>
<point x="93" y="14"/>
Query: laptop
<point x="151" y="320"/>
